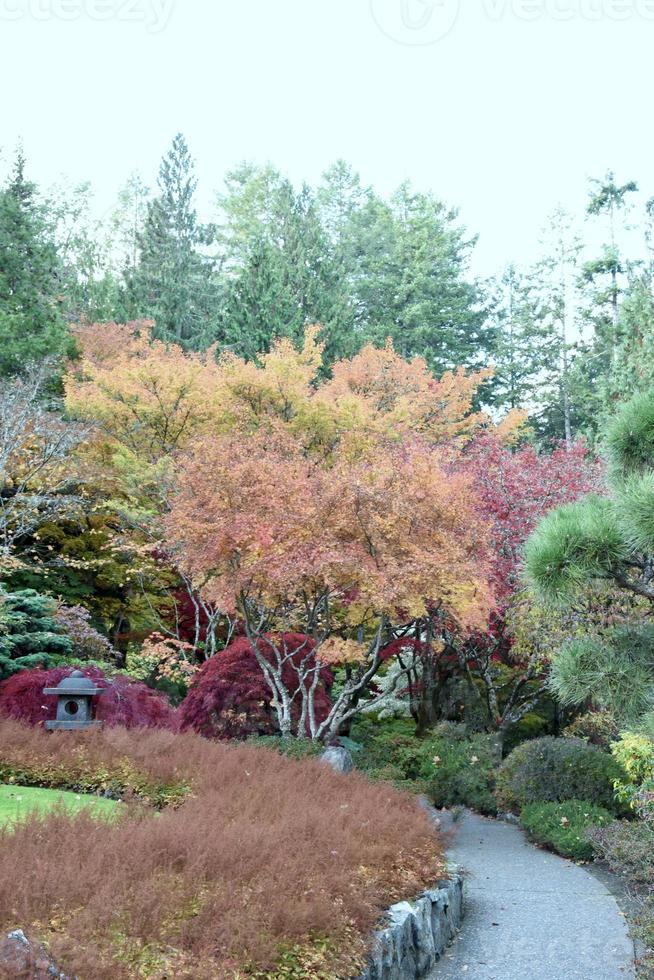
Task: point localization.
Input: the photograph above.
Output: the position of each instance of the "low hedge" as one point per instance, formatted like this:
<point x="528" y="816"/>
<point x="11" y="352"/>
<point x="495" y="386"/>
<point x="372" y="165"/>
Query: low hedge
<point x="563" y="827"/>
<point x="101" y="763"/>
<point x="464" y="773"/>
<point x="552" y="770"/>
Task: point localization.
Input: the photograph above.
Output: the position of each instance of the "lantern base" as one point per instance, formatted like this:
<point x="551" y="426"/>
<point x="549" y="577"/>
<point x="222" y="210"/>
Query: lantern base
<point x="72" y="725"/>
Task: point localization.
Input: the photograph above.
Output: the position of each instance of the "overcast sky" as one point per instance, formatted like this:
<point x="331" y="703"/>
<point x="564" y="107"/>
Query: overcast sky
<point x="504" y="109"/>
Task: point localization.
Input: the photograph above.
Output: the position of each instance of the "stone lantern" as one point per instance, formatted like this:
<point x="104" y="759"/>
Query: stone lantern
<point x="74" y="702"/>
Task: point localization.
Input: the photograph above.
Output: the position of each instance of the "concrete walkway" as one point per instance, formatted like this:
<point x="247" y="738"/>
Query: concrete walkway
<point x="531" y="915"/>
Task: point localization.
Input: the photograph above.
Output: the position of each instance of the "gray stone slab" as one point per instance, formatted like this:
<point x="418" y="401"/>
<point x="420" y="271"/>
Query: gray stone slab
<point x="531" y="915"/>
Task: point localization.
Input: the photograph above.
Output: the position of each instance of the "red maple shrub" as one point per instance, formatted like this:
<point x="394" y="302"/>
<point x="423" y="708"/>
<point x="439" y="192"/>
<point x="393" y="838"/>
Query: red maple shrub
<point x="229" y="698"/>
<point x="124" y="701"/>
<point x="518" y="487"/>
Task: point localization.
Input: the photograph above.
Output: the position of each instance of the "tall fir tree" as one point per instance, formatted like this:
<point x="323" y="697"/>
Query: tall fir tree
<point x="94" y="289"/>
<point x="282" y="274"/>
<point x="605" y="276"/>
<point x="413" y="283"/>
<point x="603" y="284"/>
<point x="127" y="222"/>
<point x="611" y="200"/>
<point x="173" y="282"/>
<point x="524" y="345"/>
<point x="32" y="298"/>
<point x="340" y="197"/>
<point x="247" y="211"/>
<point x="633" y="363"/>
<point x="556" y="275"/>
<point x="258" y="307"/>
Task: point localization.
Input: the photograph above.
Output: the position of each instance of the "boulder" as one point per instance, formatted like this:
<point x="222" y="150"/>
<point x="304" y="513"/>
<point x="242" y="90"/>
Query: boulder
<point x="339" y="759"/>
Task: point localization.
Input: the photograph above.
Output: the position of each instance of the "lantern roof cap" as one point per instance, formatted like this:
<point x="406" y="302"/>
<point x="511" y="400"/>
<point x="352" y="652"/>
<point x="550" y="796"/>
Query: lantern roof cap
<point x="75" y="684"/>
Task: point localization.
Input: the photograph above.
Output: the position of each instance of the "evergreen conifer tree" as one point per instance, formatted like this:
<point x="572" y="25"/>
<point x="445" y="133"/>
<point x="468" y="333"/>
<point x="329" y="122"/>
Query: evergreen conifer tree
<point x="30" y="636"/>
<point x="31" y="278"/>
<point x="173" y="283"/>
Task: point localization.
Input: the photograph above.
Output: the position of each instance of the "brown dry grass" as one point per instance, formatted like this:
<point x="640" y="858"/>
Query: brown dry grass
<point x="266" y="854"/>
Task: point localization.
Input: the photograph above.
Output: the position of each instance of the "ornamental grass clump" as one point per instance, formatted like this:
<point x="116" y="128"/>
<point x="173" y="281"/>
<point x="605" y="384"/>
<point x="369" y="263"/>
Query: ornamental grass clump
<point x="268" y="864"/>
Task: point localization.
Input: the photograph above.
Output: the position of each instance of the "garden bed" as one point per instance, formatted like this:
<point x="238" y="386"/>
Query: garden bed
<point x="270" y="867"/>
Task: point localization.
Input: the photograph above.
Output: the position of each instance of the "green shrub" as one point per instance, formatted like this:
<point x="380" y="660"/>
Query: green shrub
<point x="597" y="727"/>
<point x="530" y="726"/>
<point x="292" y="748"/>
<point x="463" y="774"/>
<point x="563" y="826"/>
<point x="391" y="774"/>
<point x="390" y="745"/>
<point x="635" y="753"/>
<point x="451" y="766"/>
<point x="552" y="770"/>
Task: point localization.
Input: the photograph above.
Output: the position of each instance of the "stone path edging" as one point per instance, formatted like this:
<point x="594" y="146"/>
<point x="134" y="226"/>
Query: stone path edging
<point x="418" y="933"/>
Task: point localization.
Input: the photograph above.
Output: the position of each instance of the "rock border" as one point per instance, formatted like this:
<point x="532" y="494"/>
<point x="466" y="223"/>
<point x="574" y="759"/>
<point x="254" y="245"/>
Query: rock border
<point x="21" y="958"/>
<point x="418" y="933"/>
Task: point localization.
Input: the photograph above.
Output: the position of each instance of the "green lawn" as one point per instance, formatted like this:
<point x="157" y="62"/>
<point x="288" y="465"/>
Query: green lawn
<point x="17" y="801"/>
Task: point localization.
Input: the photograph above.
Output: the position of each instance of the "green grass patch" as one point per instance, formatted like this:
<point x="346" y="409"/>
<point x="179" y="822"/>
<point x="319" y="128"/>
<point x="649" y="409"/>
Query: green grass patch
<point x="17" y="802"/>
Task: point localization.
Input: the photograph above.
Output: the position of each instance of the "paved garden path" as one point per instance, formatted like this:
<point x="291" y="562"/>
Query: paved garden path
<point x="531" y="915"/>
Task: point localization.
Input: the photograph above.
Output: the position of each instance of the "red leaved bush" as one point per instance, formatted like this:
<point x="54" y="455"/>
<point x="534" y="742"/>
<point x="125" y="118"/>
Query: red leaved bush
<point x="230" y="698"/>
<point x="124" y="701"/>
<point x="517" y="488"/>
<point x="265" y="854"/>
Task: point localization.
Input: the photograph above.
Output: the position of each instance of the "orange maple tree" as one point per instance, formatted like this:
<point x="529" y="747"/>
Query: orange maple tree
<point x="332" y="508"/>
<point x="340" y="552"/>
<point x="154" y="399"/>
